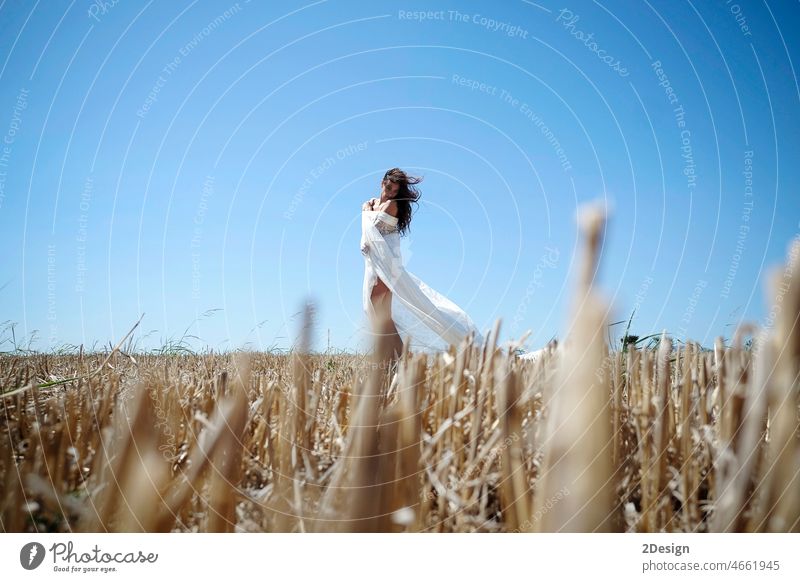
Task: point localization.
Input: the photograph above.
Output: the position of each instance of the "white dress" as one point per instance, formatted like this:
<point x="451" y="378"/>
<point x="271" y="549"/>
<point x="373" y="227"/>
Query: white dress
<point x="423" y="317"/>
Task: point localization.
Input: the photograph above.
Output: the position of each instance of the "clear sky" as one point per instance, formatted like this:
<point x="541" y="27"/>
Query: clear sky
<point x="205" y="163"/>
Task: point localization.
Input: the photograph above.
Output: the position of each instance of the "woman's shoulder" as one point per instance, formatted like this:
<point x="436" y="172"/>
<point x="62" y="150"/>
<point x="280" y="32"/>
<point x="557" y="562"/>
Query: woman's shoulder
<point x="389" y="207"/>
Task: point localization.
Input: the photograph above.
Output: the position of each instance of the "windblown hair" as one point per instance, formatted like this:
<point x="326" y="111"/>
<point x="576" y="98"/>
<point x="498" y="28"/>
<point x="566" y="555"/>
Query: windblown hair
<point x="407" y="194"/>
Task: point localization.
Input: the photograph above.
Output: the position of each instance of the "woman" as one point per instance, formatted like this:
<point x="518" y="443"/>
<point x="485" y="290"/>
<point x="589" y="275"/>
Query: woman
<point x="409" y="307"/>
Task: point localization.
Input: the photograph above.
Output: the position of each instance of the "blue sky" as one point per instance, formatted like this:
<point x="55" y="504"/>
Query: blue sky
<point x="205" y="163"/>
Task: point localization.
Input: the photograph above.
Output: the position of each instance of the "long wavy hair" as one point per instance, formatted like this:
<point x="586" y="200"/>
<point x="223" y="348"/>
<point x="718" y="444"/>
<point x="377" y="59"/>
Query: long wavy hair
<point x="407" y="194"/>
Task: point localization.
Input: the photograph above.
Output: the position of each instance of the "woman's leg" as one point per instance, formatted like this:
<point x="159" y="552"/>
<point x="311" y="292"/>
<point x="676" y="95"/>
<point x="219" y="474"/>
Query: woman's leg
<point x="382" y="302"/>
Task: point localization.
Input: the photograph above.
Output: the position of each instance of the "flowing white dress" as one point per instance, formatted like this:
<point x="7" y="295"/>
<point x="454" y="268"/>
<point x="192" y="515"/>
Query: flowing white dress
<point x="425" y="318"/>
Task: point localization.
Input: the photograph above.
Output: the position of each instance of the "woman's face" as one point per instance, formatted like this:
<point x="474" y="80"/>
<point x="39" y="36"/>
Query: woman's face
<point x="390" y="188"/>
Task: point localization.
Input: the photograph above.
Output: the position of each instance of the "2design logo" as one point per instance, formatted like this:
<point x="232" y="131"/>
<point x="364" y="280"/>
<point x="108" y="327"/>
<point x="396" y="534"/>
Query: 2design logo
<point x="31" y="555"/>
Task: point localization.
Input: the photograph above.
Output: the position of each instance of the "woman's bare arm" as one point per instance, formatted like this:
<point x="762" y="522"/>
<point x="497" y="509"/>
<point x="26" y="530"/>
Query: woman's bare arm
<point x="369" y="204"/>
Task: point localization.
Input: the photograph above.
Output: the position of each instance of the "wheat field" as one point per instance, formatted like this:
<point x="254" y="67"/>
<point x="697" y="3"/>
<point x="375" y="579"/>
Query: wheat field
<point x="584" y="438"/>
